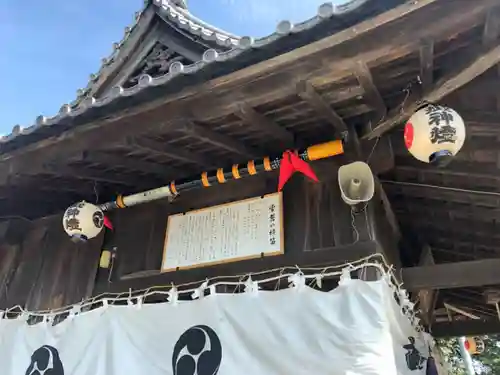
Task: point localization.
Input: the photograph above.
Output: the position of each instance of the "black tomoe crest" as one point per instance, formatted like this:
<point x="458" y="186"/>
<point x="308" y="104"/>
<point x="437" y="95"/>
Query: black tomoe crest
<point x="45" y="361"/>
<point x="414" y="359"/>
<point x="98" y="219"/>
<point x="197" y="352"/>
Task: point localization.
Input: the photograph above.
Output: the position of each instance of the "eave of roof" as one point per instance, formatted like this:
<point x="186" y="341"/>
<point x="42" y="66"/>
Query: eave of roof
<point x="245" y="45"/>
<point x="176" y="14"/>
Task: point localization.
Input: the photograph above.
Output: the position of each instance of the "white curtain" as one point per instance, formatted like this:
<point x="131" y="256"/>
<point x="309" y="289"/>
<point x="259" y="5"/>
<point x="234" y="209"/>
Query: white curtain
<point x="356" y="329"/>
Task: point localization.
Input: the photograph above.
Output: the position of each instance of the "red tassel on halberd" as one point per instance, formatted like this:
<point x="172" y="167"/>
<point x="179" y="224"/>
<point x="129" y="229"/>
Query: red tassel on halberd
<point x="107" y="223"/>
<point x="291" y="163"/>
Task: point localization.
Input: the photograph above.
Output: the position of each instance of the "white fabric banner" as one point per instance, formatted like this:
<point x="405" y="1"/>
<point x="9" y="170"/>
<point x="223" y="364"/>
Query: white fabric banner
<point x="356" y="329"/>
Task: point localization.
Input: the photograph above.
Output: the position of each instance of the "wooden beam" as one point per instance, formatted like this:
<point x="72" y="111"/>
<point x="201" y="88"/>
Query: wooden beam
<point x="220" y="140"/>
<point x="45" y="183"/>
<point x="491" y="30"/>
<point x="119" y="161"/>
<point x="258" y="121"/>
<point x="427" y="65"/>
<point x="498" y="91"/>
<point x="491" y="296"/>
<point x="427" y="297"/>
<point x="169" y="151"/>
<point x="463" y="176"/>
<point x="42" y="191"/>
<point x="448" y="85"/>
<point x="473" y="273"/>
<point x="318" y="257"/>
<point x="466" y="328"/>
<point x="308" y="93"/>
<point x="372" y="95"/>
<point x="93" y="175"/>
<point x="463" y="229"/>
<point x="440" y="237"/>
<point x="448" y="212"/>
<point x="490" y="38"/>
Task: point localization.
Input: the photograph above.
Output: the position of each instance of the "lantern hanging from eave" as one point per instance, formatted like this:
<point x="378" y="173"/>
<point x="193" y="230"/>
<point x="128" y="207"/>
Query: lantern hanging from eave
<point x="434" y="134"/>
<point x="474" y="345"/>
<point x="83" y="221"/>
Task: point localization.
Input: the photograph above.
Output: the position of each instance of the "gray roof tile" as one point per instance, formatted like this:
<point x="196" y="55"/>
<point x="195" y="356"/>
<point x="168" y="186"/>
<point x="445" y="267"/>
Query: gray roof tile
<point x="211" y="56"/>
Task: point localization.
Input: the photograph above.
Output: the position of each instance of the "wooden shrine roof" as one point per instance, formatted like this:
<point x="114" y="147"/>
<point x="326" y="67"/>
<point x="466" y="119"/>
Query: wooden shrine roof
<point x="364" y="65"/>
<point x="192" y="35"/>
<point x="230" y="54"/>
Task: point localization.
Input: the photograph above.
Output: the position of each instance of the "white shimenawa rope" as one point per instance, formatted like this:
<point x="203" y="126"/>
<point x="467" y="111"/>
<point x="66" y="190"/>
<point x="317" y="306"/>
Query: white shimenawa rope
<point x="301" y="275"/>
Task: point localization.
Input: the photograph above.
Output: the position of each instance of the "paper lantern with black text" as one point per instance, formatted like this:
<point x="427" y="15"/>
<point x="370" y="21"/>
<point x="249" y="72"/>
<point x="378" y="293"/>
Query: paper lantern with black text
<point x="434" y="134"/>
<point x="83" y="221"/>
<point x="474" y="345"/>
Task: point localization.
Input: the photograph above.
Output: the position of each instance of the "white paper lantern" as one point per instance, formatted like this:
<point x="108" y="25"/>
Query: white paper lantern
<point x="83" y="221"/>
<point x="434" y="134"/>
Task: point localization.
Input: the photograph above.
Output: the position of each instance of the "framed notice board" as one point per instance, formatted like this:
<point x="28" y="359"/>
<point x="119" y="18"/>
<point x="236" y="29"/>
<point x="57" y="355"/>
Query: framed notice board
<point x="226" y="233"/>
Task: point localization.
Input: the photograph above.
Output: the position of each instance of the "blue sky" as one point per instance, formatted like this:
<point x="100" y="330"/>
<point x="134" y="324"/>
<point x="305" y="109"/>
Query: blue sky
<point x="49" y="48"/>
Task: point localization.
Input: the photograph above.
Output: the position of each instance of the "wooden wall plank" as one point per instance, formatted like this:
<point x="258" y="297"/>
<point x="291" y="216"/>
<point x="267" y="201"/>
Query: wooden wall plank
<point x="27" y="273"/>
<point x="10" y="256"/>
<point x="53" y="261"/>
<point x="47" y="270"/>
<point x="82" y="269"/>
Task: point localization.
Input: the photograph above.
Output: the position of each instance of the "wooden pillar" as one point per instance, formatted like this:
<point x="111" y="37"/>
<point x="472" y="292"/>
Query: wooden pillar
<point x="427" y="297"/>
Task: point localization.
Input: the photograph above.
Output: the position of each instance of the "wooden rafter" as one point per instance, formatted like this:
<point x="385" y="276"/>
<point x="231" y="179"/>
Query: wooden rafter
<point x="169" y="151"/>
<point x="219" y="140"/>
<point x="460" y="172"/>
<point x="498" y="92"/>
<point x="455" y="171"/>
<point x="427" y="65"/>
<point x="442" y="209"/>
<point x="93" y="175"/>
<point x="490" y="37"/>
<point x="372" y="95"/>
<point x="447" y="222"/>
<point x="45" y="184"/>
<point x="254" y="119"/>
<point x="308" y="93"/>
<point x="491" y="30"/>
<point x="20" y="197"/>
<point x="457" y="255"/>
<point x="440" y="237"/>
<point x="119" y="161"/>
<point x="448" y="85"/>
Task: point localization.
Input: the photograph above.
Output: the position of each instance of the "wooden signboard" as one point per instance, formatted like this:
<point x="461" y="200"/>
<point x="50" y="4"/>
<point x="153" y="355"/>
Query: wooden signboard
<point x="226" y="233"/>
